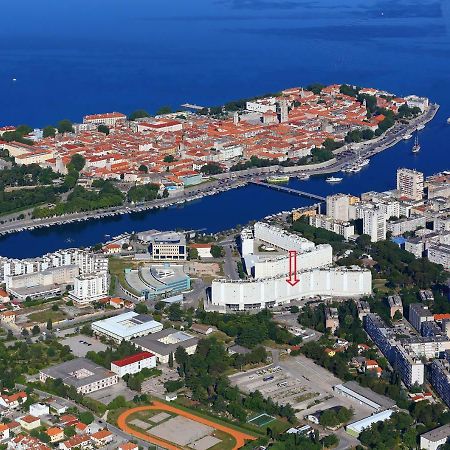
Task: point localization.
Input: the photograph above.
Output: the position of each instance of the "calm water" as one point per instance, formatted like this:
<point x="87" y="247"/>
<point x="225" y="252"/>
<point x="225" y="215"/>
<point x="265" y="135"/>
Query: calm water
<point x="76" y="57"/>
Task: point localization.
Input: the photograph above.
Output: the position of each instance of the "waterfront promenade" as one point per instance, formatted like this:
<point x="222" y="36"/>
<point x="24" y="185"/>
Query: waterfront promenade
<point x="232" y="180"/>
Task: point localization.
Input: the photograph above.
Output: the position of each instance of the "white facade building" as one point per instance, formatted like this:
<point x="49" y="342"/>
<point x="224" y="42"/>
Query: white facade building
<point x="269" y="292"/>
<point x="410" y="184"/>
<point x="90" y="288"/>
<point x="133" y="364"/>
<point x="345" y="229"/>
<point x="374" y="223"/>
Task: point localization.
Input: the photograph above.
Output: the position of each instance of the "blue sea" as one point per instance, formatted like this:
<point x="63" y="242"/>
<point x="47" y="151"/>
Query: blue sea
<point x="73" y="58"/>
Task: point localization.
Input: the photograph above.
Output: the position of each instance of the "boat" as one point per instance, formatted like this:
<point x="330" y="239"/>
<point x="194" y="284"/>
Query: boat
<point x="303" y="177"/>
<point x="420" y="127"/>
<point x="333" y="180"/>
<point x="278" y="179"/>
<point x="416" y="146"/>
<point x="364" y="162"/>
<point x="407" y="136"/>
<point x="448" y="120"/>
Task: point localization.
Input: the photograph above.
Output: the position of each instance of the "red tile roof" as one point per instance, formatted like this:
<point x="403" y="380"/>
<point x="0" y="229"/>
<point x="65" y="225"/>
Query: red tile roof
<point x="132" y="359"/>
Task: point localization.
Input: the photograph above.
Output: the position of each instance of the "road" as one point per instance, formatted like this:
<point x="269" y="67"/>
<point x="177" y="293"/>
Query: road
<point x="229" y="267"/>
<point x="231" y="180"/>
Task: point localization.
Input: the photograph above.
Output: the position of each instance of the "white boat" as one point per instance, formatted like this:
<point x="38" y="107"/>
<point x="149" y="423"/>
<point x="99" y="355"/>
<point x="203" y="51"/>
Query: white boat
<point x="448" y="120"/>
<point x="364" y="162"/>
<point x="303" y="177"/>
<point x="420" y="127"/>
<point x="407" y="136"/>
<point x="333" y="180"/>
<point x="416" y="146"/>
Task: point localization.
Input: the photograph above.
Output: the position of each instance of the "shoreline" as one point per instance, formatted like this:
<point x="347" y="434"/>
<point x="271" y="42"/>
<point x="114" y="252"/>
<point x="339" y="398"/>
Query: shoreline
<point x="232" y="180"/>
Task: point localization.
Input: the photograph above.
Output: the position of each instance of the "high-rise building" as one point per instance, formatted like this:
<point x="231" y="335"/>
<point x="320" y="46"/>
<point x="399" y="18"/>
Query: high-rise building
<point x="90" y="288"/>
<point x="338" y="206"/>
<point x="374" y="224"/>
<point x="410" y="184"/>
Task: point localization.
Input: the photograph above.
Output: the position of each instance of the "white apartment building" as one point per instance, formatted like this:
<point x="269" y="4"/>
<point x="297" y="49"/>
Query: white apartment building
<point x="410" y="184"/>
<point x="439" y="254"/>
<point x="374" y="223"/>
<point x="247" y="241"/>
<point x="133" y="364"/>
<point x="400" y="226"/>
<point x="345" y="229"/>
<point x="280" y="238"/>
<point x="338" y="206"/>
<point x="89" y="288"/>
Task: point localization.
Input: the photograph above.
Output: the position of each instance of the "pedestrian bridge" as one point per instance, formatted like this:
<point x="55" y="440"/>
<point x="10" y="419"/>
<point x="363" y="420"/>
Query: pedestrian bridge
<point x="288" y="190"/>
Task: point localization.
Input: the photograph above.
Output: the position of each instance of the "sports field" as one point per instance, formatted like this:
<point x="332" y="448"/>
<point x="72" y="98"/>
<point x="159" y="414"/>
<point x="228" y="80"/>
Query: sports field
<point x="261" y="419"/>
<point x="239" y="437"/>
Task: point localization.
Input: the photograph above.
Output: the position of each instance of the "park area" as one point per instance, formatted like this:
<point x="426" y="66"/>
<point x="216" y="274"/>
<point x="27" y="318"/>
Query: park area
<point x="174" y="428"/>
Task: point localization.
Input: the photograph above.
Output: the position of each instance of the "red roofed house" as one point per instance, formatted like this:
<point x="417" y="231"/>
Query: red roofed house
<point x="134" y="363"/>
<point x="204" y="250"/>
<point x="102" y="437"/>
<point x="55" y="434"/>
<point x="80" y="441"/>
<point x="14" y="400"/>
<point x="128" y="446"/>
<point x="24" y="442"/>
<point x="8" y="316"/>
<point x="111" y="249"/>
<point x="4" y="296"/>
<point x="29" y="422"/>
<point x="4" y="432"/>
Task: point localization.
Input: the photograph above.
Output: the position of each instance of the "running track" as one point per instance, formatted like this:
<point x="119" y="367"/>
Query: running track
<point x="238" y="436"/>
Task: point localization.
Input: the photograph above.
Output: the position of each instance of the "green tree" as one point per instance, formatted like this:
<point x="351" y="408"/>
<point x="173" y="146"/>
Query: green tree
<point x="69" y="431"/>
<point x="86" y="417"/>
<point x="35" y="330"/>
<point x="171" y="360"/>
<point x="141" y="308"/>
<point x="49" y="131"/>
<point x="65" y="126"/>
<point x="193" y="253"/>
<point x="217" y="251"/>
<point x="138" y="114"/>
<point x="103" y="129"/>
<point x="49" y="324"/>
<point x="164" y="110"/>
<point x="77" y="162"/>
<point x="143" y="168"/>
<point x="169" y="159"/>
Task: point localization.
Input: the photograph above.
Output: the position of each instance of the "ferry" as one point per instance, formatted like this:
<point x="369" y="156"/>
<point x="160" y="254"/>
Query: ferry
<point x="407" y="136"/>
<point x="333" y="180"/>
<point x="278" y="179"/>
<point x="416" y="146"/>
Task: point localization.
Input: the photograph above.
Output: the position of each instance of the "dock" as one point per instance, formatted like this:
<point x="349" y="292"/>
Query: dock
<point x="288" y="190"/>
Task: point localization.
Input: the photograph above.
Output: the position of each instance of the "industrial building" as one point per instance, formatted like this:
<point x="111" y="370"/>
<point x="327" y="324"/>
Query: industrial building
<point x="357" y="427"/>
<point x="165" y="342"/>
<point x="126" y="326"/>
<point x="82" y="374"/>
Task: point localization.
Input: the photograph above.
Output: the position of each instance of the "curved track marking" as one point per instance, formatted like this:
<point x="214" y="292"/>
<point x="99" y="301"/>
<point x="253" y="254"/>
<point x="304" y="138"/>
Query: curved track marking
<point x="239" y="437"/>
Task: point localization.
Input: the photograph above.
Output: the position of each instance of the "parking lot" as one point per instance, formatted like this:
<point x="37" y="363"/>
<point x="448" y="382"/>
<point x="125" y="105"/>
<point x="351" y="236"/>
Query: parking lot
<point x="300" y="382"/>
<point x="82" y="344"/>
<point x="105" y="396"/>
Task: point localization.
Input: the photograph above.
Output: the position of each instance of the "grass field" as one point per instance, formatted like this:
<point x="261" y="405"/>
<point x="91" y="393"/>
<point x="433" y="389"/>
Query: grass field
<point x="46" y="314"/>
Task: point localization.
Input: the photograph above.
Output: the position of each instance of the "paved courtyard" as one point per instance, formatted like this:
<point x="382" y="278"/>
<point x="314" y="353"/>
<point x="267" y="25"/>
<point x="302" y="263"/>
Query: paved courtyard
<point x="82" y="344"/>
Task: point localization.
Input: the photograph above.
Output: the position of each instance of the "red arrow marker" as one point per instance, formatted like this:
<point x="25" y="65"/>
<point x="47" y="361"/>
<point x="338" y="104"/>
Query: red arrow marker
<point x="292" y="280"/>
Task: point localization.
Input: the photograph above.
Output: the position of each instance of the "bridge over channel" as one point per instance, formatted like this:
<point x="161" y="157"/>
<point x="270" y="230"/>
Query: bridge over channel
<point x="288" y="190"/>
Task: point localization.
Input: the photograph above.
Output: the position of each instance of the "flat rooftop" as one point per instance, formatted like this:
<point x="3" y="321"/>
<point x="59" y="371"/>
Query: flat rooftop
<point x="127" y="324"/>
<point x="78" y="372"/>
<point x="166" y="341"/>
